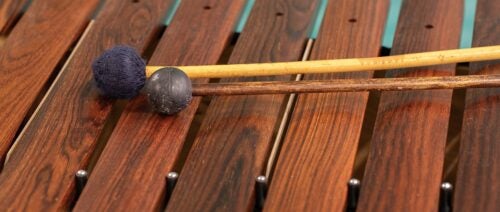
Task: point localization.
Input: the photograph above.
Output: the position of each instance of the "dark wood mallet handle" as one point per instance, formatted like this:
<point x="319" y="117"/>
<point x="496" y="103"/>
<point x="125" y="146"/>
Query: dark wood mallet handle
<point x="345" y="85"/>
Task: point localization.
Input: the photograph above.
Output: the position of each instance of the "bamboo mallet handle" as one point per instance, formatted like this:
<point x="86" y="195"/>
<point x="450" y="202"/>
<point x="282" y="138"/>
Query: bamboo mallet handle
<point x="340" y="65"/>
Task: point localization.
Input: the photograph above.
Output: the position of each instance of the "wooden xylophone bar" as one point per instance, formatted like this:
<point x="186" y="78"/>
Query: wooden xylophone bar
<point x="307" y="147"/>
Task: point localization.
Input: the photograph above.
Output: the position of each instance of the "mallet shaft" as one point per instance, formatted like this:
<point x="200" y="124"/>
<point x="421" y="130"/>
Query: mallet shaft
<point x="345" y="85"/>
<point x="340" y="65"/>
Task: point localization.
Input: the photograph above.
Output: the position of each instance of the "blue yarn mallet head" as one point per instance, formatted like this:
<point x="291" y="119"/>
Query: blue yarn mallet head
<point x="119" y="72"/>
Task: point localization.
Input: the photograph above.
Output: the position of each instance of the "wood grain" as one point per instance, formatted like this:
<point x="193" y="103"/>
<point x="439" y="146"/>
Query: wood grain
<point x="345" y="85"/>
<point x="10" y="10"/>
<point x="404" y="167"/>
<point x="477" y="186"/>
<point x="234" y="139"/>
<point x="130" y="174"/>
<point x="317" y="155"/>
<point x="30" y="55"/>
<point x="63" y="133"/>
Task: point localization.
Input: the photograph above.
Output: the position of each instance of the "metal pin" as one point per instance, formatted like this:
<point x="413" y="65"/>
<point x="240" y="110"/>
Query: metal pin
<point x="81" y="177"/>
<point x="171" y="179"/>
<point x="445" y="200"/>
<point x="260" y="192"/>
<point x="353" y="187"/>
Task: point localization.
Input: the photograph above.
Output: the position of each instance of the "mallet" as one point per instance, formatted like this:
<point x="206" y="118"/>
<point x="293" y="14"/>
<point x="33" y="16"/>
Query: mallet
<point x="121" y="73"/>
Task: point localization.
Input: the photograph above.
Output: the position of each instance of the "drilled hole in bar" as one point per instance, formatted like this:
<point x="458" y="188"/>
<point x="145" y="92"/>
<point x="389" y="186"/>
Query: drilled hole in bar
<point x="135" y="1"/>
<point x="207" y="7"/>
<point x="429" y="26"/>
<point x="353" y="20"/>
<point x="279" y="14"/>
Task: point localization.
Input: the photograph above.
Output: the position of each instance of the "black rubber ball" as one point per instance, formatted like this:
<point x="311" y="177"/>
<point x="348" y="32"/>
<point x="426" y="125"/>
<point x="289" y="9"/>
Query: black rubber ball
<point x="169" y="90"/>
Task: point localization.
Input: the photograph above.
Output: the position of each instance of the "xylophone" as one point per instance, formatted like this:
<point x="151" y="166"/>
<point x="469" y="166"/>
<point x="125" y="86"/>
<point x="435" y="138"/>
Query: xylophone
<point x="65" y="146"/>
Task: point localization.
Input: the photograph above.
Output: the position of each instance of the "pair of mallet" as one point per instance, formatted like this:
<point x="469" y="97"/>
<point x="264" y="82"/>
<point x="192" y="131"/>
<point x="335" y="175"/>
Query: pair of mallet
<point x="121" y="73"/>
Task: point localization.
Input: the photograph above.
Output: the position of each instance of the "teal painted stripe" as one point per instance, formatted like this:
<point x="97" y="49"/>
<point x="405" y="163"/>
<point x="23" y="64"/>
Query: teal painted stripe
<point x="316" y="23"/>
<point x="171" y="12"/>
<point x="390" y="27"/>
<point x="98" y="9"/>
<point x="468" y="23"/>
<point x="318" y="19"/>
<point x="389" y="31"/>
<point x="244" y="16"/>
<point x="26" y="5"/>
<point x="239" y="27"/>
<point x="391" y="23"/>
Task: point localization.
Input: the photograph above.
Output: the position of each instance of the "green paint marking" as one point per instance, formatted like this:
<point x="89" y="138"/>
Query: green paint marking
<point x="171" y="12"/>
<point x="468" y="23"/>
<point x="390" y="27"/>
<point x="98" y="9"/>
<point x="244" y="16"/>
<point x="391" y="23"/>
<point x="26" y="5"/>
<point x="318" y="19"/>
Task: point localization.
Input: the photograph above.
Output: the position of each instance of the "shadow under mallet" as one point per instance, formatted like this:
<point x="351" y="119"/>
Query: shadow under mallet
<point x="120" y="73"/>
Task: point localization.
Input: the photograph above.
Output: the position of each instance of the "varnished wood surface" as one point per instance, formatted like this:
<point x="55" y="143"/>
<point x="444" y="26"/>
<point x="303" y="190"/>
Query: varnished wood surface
<point x="231" y="147"/>
<point x="318" y="152"/>
<point x="405" y="163"/>
<point x="345" y="85"/>
<point x="9" y="12"/>
<point x="61" y="137"/>
<point x="31" y="53"/>
<point x="403" y="174"/>
<point x="130" y="174"/>
<point x="477" y="187"/>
